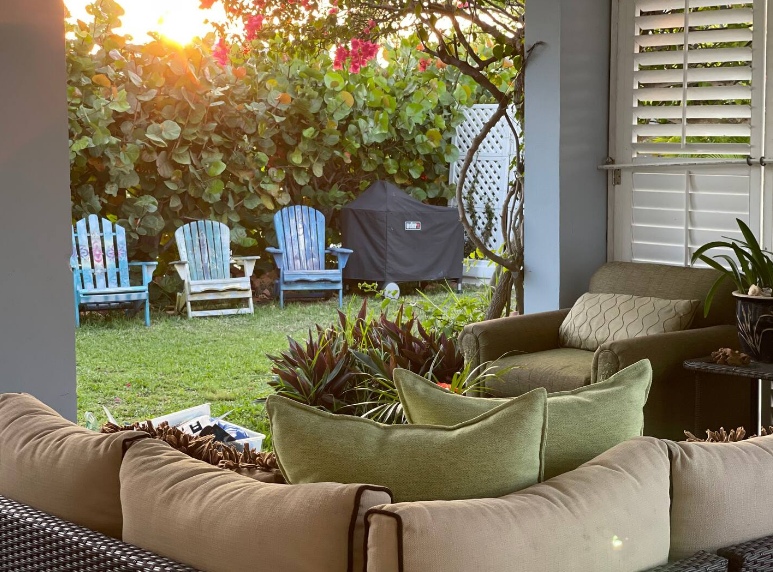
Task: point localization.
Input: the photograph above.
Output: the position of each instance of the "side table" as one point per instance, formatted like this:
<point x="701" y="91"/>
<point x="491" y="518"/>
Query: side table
<point x="760" y="375"/>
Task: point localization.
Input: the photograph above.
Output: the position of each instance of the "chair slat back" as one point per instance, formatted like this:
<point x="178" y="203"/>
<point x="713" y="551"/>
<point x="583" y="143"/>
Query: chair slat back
<point x="300" y="232"/>
<point x="96" y="247"/>
<point x="206" y="246"/>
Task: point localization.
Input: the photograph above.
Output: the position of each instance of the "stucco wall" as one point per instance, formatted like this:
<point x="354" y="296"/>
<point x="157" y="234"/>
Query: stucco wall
<point x="37" y="342"/>
<point x="567" y="111"/>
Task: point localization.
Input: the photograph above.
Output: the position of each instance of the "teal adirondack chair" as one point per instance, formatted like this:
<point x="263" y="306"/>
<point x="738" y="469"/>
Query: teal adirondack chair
<point x="205" y="268"/>
<point x="300" y="232"/>
<point x="100" y="269"/>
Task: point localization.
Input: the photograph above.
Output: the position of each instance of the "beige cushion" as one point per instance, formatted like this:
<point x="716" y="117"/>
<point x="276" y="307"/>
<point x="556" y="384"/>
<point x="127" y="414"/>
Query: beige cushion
<point x="720" y="494"/>
<point x="561" y="369"/>
<point x="599" y="318"/>
<point x="55" y="466"/>
<point x="671" y="282"/>
<point x="218" y="521"/>
<point x="610" y="515"/>
<point x="495" y="453"/>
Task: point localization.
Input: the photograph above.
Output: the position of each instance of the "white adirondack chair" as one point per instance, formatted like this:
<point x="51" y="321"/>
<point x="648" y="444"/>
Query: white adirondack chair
<point x="205" y="268"/>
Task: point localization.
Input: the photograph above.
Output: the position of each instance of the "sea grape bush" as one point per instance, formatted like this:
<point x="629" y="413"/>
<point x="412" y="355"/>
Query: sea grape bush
<point x="162" y="134"/>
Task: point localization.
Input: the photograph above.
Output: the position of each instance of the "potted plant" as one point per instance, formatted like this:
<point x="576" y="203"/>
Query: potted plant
<point x="751" y="270"/>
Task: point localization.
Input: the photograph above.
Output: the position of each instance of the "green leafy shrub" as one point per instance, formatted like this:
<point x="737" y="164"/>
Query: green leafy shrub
<point x="162" y="134"/>
<point x="449" y="316"/>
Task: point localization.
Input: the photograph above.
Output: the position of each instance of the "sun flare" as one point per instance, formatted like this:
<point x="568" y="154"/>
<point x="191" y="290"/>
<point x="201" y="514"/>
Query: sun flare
<point x="177" y="20"/>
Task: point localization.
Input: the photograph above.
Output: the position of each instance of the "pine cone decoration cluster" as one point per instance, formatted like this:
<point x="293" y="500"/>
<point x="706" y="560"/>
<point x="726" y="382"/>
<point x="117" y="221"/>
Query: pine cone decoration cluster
<point x="205" y="448"/>
<point x="726" y="356"/>
<point x="723" y="436"/>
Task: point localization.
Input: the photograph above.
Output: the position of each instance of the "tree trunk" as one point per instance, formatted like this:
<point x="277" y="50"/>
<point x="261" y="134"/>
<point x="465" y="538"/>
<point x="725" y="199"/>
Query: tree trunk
<point x="500" y="297"/>
<point x="519" y="293"/>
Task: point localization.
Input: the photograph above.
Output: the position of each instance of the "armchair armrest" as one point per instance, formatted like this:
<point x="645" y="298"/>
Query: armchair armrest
<point x="279" y="256"/>
<point x="248" y="262"/>
<point x="182" y="269"/>
<point x="490" y="340"/>
<point x="665" y="351"/>
<point x="342" y="254"/>
<point x="677" y="401"/>
<point x="147" y="270"/>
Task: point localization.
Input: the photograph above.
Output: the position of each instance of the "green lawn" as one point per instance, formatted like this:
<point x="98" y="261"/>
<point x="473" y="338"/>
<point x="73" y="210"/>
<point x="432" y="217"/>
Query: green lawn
<point x="140" y="373"/>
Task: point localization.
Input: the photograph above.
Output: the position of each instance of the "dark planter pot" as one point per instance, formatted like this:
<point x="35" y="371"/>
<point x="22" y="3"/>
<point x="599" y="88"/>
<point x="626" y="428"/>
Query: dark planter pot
<point x="754" y="317"/>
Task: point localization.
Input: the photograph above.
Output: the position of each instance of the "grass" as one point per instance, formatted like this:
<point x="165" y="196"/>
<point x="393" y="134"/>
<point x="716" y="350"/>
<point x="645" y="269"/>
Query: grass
<point x="139" y="373"/>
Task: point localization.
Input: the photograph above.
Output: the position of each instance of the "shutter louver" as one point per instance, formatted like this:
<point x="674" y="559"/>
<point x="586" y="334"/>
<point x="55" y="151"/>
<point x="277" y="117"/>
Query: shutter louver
<point x="686" y="91"/>
<point x="707" y="63"/>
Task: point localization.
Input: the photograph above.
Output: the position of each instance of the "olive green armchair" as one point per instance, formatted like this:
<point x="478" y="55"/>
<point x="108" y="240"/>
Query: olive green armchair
<point x="529" y="347"/>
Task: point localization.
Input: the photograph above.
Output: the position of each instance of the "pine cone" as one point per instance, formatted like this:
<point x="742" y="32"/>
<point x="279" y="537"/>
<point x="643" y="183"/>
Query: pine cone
<point x="206" y="449"/>
<point x="727" y="356"/>
<point x="720" y="436"/>
<point x="723" y="436"/>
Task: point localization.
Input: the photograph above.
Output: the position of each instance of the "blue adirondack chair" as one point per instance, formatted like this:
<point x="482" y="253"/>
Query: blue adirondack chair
<point x="205" y="268"/>
<point x="100" y="269"/>
<point x="300" y="232"/>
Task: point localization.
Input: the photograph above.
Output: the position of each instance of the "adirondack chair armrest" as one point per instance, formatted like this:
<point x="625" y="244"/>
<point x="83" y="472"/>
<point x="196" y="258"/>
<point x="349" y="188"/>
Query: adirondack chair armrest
<point x="341" y="253"/>
<point x="279" y="256"/>
<point x="147" y="270"/>
<point x="182" y="269"/>
<point x="248" y="262"/>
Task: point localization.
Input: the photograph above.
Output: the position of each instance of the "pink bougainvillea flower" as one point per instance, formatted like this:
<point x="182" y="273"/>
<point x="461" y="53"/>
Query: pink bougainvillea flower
<point x="254" y="25"/>
<point x="221" y="52"/>
<point x="341" y="55"/>
<point x="361" y="53"/>
<point x="333" y="10"/>
<point x="423" y="65"/>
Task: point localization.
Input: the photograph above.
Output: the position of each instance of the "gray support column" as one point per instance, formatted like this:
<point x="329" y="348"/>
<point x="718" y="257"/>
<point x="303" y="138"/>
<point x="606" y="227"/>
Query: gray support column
<point x="566" y="117"/>
<point x="37" y="340"/>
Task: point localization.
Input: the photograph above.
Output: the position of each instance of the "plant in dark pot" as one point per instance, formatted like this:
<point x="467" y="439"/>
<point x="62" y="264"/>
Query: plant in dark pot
<point x="751" y="270"/>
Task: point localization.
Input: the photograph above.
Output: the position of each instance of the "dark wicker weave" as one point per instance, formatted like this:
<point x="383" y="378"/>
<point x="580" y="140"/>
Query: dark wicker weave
<point x="752" y="556"/>
<point x="33" y="541"/>
<point x="698" y="562"/>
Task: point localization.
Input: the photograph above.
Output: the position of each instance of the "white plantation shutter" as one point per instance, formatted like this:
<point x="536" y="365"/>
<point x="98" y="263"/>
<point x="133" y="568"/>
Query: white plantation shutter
<point x="690" y="89"/>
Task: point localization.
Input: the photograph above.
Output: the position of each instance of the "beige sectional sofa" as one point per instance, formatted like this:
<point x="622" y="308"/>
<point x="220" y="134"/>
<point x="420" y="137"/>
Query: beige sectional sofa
<point x="635" y="507"/>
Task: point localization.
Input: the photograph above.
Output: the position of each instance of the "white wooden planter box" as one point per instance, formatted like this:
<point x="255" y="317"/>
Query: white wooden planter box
<point x="477" y="271"/>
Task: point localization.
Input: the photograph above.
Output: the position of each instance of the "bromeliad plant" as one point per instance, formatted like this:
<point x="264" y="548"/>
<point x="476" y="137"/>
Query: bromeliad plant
<point x="349" y="367"/>
<point x="319" y="374"/>
<point x="751" y="270"/>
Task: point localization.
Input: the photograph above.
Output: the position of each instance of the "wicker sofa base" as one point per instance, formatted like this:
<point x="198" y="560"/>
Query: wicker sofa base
<point x="699" y="562"/>
<point x="33" y="541"/>
<point x="752" y="556"/>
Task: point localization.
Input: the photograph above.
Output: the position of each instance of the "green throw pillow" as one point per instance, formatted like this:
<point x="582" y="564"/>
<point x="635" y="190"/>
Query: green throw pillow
<point x="582" y="423"/>
<point x="496" y="453"/>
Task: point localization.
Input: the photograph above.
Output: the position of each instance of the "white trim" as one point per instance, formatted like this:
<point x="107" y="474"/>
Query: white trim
<point x="613" y="52"/>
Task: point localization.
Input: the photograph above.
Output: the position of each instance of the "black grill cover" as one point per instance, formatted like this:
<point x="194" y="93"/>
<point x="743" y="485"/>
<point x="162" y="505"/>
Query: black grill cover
<point x="396" y="238"/>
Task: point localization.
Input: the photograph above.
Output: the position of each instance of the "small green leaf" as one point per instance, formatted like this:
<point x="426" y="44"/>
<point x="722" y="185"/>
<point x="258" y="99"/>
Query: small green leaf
<point x="170" y="130"/>
<point x="216" y="169"/>
<point x="175" y="203"/>
<point x="296" y="156"/>
<point x="334" y="81"/>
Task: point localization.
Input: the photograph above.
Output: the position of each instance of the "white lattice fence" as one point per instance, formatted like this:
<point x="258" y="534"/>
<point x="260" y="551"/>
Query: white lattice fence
<point x="489" y="174"/>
